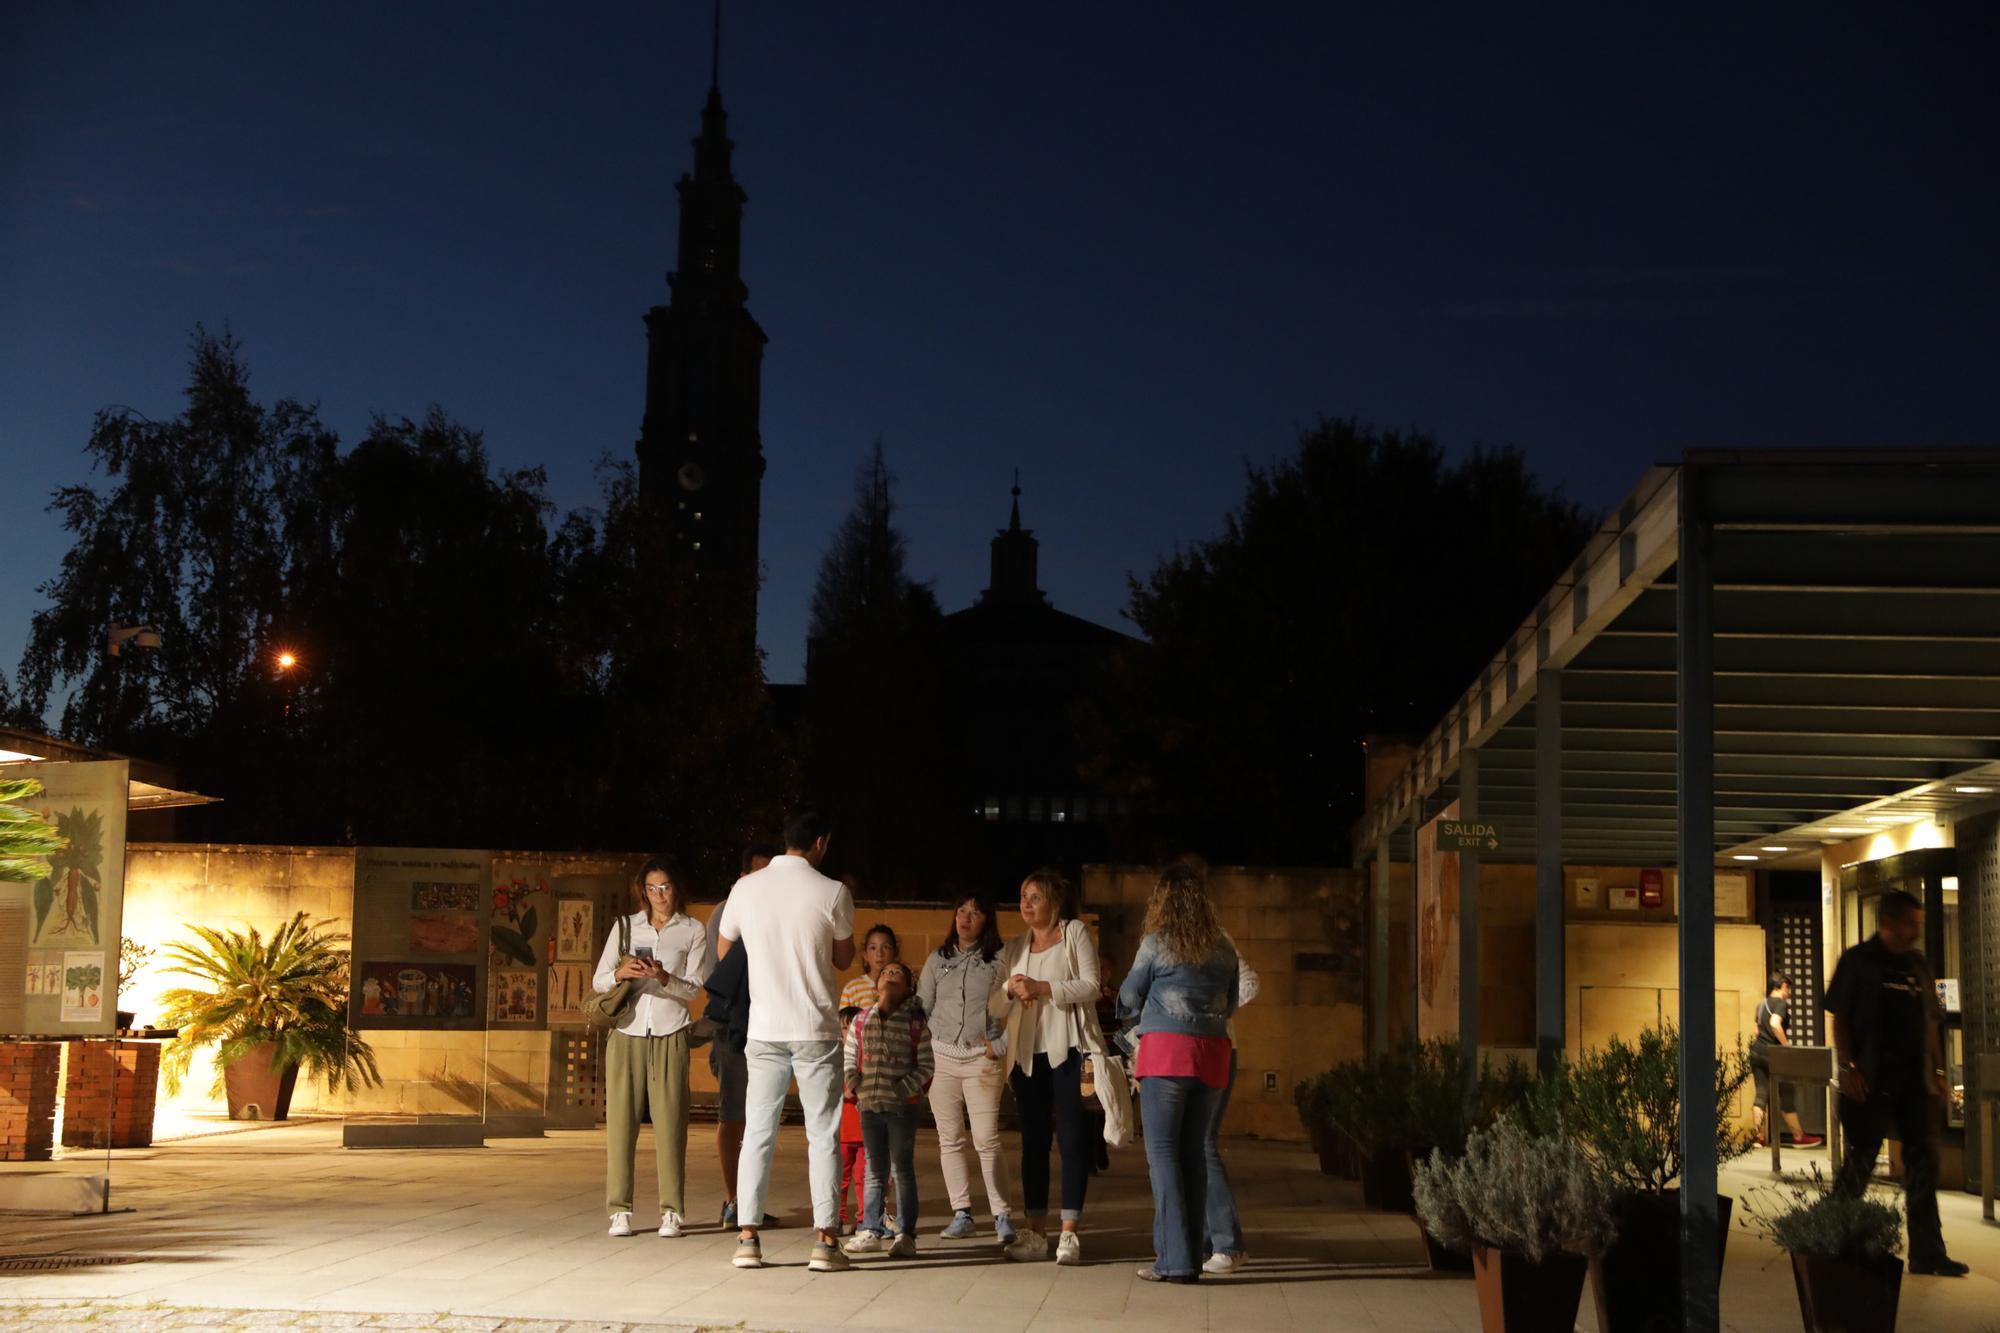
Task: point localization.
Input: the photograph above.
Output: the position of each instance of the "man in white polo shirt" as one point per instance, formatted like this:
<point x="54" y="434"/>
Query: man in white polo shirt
<point x="799" y="928"/>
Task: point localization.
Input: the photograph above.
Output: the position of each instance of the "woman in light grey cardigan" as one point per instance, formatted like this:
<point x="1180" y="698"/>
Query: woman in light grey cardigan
<point x="958" y="981"/>
<point x="1048" y="997"/>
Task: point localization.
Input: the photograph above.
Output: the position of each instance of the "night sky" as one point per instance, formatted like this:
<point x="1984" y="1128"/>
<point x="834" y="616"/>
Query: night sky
<point x="1125" y="247"/>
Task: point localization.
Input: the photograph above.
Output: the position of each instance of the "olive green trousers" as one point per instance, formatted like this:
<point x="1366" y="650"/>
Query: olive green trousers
<point x="643" y="1072"/>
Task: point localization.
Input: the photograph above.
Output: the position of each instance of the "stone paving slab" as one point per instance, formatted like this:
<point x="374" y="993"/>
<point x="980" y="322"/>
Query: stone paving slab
<point x="283" y="1229"/>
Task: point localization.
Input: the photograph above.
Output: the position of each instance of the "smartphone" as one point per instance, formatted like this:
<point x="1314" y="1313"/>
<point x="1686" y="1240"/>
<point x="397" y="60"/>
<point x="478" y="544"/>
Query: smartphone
<point x="644" y="951"/>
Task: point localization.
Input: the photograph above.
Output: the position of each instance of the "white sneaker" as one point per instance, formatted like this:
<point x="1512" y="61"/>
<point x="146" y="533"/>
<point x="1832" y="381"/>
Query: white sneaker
<point x="1224" y="1263"/>
<point x="904" y="1247"/>
<point x="621" y="1224"/>
<point x="863" y="1242"/>
<point x="670" y="1225"/>
<point x="1069" y="1249"/>
<point x="1030" y="1246"/>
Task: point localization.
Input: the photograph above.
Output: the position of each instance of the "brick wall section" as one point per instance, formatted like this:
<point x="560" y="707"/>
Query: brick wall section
<point x="91" y="1102"/>
<point x="28" y="1100"/>
<point x="1304" y="930"/>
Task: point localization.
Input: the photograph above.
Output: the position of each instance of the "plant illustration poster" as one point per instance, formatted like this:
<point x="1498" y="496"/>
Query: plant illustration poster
<point x="71" y="916"/>
<point x="82" y="987"/>
<point x="419" y="937"/>
<point x="574" y="942"/>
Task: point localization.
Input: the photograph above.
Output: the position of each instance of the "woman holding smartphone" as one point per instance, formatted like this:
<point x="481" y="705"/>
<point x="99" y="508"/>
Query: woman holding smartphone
<point x="646" y="1060"/>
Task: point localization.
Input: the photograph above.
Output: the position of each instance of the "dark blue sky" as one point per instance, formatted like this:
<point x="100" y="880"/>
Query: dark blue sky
<point x="1124" y="246"/>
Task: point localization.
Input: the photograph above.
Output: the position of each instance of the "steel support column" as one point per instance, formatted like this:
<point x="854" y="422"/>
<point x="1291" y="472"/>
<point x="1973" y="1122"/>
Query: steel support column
<point x="1701" y="1272"/>
<point x="1378" y="954"/>
<point x="1549" y="896"/>
<point x="1468" y="921"/>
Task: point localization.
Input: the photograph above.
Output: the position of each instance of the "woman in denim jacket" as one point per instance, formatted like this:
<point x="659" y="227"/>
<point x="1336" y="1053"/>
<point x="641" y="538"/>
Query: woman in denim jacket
<point x="1182" y="988"/>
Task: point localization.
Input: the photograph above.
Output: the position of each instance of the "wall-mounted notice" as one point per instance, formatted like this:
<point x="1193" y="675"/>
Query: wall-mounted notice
<point x="63" y="928"/>
<point x="1732" y="895"/>
<point x="1625" y="899"/>
<point x="419" y="918"/>
<point x="1589" y="891"/>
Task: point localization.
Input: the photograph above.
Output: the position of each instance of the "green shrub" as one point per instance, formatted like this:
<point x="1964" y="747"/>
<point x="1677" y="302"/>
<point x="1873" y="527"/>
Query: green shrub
<point x="1623" y="1103"/>
<point x="1810" y="1218"/>
<point x="1513" y="1191"/>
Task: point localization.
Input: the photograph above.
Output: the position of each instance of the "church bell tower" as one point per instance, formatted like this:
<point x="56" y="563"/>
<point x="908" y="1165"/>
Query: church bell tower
<point x="701" y="455"/>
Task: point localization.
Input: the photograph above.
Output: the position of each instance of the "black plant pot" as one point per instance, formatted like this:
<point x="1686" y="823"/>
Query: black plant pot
<point x="1636" y="1283"/>
<point x="1441" y="1257"/>
<point x="1386" y="1183"/>
<point x="1519" y="1296"/>
<point x="1839" y="1297"/>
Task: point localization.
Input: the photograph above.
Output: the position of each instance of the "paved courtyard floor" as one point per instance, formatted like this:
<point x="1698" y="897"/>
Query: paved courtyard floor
<point x="281" y="1228"/>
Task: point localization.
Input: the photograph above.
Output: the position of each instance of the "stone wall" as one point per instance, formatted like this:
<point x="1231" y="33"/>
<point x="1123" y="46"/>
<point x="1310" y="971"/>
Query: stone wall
<point x="1304" y="931"/>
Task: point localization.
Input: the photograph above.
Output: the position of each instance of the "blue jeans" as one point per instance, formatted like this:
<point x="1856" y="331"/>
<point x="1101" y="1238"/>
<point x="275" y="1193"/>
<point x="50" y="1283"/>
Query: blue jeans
<point x="1225" y="1236"/>
<point x="1180" y="1118"/>
<point x="772" y="1065"/>
<point x="890" y="1140"/>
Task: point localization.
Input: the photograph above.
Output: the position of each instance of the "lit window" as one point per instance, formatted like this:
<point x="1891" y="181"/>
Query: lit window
<point x="990" y="809"/>
<point x="1058" y="810"/>
<point x="697" y="546"/>
<point x="697" y="516"/>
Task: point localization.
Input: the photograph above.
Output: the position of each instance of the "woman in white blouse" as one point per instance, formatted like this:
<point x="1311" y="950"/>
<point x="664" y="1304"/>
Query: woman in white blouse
<point x="646" y="1060"/>
<point x="1049" y="1000"/>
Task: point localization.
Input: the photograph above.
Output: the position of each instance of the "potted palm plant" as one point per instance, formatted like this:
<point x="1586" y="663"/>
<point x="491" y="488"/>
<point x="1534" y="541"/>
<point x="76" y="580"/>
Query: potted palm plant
<point x="1843" y="1249"/>
<point x="27" y="841"/>
<point x="1622" y="1104"/>
<point x="1531" y="1210"/>
<point x="270" y="1008"/>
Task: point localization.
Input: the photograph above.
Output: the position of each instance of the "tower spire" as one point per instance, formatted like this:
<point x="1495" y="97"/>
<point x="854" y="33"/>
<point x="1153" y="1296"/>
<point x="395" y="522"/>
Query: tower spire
<point x="1015" y="556"/>
<point x="715" y="52"/>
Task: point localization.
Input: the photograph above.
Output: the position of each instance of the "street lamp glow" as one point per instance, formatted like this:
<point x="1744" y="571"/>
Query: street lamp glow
<point x="286" y="661"/>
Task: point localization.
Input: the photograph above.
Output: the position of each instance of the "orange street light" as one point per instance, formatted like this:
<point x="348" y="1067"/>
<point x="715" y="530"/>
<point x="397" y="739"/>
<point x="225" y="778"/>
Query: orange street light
<point x="286" y="661"/>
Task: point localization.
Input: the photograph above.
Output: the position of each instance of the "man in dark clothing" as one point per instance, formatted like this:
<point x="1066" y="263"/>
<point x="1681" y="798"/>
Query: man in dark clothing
<point x="1889" y="1048"/>
<point x="1771" y="1031"/>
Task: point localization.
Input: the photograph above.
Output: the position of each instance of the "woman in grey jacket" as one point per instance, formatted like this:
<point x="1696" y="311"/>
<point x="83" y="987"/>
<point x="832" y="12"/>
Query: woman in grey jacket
<point x="966" y="1039"/>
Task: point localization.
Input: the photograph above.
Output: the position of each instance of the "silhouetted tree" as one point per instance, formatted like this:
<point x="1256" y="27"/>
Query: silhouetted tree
<point x="1357" y="589"/>
<point x="880" y="743"/>
<point x="203" y="526"/>
<point x="679" y="746"/>
<point x="468" y="673"/>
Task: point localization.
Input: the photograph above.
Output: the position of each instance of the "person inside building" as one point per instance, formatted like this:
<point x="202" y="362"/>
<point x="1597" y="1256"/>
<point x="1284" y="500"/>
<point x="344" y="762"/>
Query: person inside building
<point x="728" y="1013"/>
<point x="1183" y="989"/>
<point x="967" y="1042"/>
<point x="1771" y="1032"/>
<point x="1049" y="1004"/>
<point x="1888" y="1042"/>
<point x="646" y="1059"/>
<point x="798" y="926"/>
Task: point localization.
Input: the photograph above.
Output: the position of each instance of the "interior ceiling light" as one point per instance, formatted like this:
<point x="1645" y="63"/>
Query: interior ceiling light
<point x="1777" y="849"/>
<point x="1973" y="791"/>
<point x="1743" y="856"/>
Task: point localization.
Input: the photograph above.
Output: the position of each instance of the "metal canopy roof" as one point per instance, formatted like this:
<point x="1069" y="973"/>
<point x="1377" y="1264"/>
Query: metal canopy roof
<point x="1857" y="664"/>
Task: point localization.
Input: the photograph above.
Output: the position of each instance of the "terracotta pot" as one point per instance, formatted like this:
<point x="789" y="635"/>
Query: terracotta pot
<point x="1636" y="1284"/>
<point x="1839" y="1297"/>
<point x="255" y="1090"/>
<point x="1518" y="1296"/>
